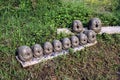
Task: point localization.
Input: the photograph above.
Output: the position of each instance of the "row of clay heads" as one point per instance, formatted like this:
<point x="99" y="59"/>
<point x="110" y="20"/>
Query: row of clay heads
<point x="26" y="53"/>
<point x="94" y="24"/>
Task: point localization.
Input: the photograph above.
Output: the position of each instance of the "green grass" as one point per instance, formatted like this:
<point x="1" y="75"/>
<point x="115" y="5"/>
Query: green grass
<point x="35" y="21"/>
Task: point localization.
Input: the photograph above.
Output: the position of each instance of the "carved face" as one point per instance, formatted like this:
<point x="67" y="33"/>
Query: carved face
<point x="74" y="41"/>
<point x="95" y="25"/>
<point x="57" y="46"/>
<point x="66" y="43"/>
<point x="77" y="26"/>
<point x="48" y="48"/>
<point x="25" y="53"/>
<point x="82" y="38"/>
<point x="37" y="50"/>
<point x="91" y="35"/>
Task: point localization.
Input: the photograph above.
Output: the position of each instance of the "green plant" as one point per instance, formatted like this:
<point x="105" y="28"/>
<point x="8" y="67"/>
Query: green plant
<point x="35" y="21"/>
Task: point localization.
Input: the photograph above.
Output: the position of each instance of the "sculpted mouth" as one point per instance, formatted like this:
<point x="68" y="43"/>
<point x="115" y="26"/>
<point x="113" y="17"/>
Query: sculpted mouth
<point x="67" y="44"/>
<point x="96" y="25"/>
<point x="77" y="27"/>
<point x="58" y="46"/>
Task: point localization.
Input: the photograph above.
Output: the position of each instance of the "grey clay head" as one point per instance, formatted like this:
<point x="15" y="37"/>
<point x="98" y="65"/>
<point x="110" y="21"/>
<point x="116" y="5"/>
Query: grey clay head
<point x="91" y="35"/>
<point x="77" y="26"/>
<point x="95" y="25"/>
<point x="66" y="43"/>
<point x="37" y="50"/>
<point x="48" y="48"/>
<point x="57" y="46"/>
<point x="74" y="41"/>
<point x="82" y="38"/>
<point x="25" y="53"/>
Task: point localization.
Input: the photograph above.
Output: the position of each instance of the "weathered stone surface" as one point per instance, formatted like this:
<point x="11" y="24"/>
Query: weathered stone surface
<point x="95" y="25"/>
<point x="82" y="38"/>
<point x="25" y="53"/>
<point x="48" y="48"/>
<point x="57" y="46"/>
<point x="66" y="43"/>
<point x="91" y="35"/>
<point x="77" y="26"/>
<point x="74" y="41"/>
<point x="37" y="50"/>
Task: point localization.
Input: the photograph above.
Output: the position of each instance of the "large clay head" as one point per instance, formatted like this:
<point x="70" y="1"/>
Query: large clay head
<point x="77" y="26"/>
<point x="66" y="43"/>
<point x="57" y="46"/>
<point x="82" y="38"/>
<point x="91" y="35"/>
<point x="25" y="53"/>
<point x="95" y="25"/>
<point x="37" y="50"/>
<point x="48" y="48"/>
<point x="74" y="41"/>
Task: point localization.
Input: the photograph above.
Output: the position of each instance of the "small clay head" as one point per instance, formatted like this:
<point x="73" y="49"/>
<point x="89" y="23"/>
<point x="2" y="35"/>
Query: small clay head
<point x="95" y="25"/>
<point x="82" y="38"/>
<point x="37" y="50"/>
<point x="25" y="53"/>
<point x="57" y="46"/>
<point x="91" y="35"/>
<point x="66" y="43"/>
<point x="48" y="48"/>
<point x="77" y="26"/>
<point x="74" y="41"/>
